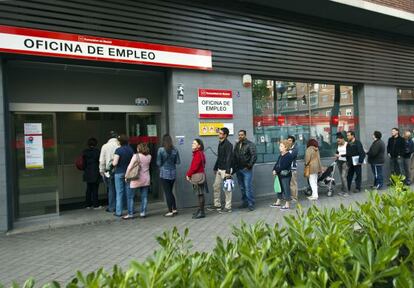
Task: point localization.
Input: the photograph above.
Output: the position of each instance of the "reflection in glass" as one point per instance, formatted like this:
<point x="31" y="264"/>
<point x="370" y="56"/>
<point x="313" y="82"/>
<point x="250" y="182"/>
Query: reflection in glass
<point x="304" y="110"/>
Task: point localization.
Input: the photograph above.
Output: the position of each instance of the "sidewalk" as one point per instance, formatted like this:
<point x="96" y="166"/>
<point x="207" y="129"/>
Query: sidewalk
<point x="57" y="253"/>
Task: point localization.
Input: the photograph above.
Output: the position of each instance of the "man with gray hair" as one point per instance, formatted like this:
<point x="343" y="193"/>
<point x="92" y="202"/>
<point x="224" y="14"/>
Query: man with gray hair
<point x="105" y="161"/>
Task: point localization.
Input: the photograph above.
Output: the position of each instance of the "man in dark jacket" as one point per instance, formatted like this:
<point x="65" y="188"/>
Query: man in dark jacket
<point x="408" y="152"/>
<point x="243" y="161"/>
<point x="222" y="169"/>
<point x="395" y="150"/>
<point x="376" y="159"/>
<point x="355" y="156"/>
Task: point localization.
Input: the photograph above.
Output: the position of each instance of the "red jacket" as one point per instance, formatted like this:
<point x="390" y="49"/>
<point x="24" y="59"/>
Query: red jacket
<point x="197" y="164"/>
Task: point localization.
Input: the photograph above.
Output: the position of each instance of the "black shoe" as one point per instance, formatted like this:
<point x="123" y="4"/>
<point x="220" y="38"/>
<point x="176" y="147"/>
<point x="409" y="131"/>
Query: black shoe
<point x="199" y="215"/>
<point x="251" y="208"/>
<point x="196" y="212"/>
<point x="243" y="206"/>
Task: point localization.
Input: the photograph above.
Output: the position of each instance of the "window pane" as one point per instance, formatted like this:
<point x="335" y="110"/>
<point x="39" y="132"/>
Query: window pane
<point x="406" y="109"/>
<point x="304" y="110"/>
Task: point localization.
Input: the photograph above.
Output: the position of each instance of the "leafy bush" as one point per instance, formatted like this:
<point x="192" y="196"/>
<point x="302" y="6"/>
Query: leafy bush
<point x="371" y="246"/>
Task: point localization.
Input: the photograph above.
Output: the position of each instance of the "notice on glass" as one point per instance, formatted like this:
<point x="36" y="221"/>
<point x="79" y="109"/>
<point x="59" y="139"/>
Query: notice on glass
<point x="152" y="130"/>
<point x="32" y="128"/>
<point x="33" y="148"/>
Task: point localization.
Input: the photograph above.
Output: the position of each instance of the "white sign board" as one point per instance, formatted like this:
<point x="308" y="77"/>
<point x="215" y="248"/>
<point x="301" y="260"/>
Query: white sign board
<point x="215" y="104"/>
<point x="18" y="40"/>
<point x="33" y="146"/>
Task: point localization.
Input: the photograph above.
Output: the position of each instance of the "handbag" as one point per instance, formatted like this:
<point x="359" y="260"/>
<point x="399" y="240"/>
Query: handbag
<point x="198" y="178"/>
<point x="133" y="173"/>
<point x="285" y="173"/>
<point x="276" y="185"/>
<point x="306" y="171"/>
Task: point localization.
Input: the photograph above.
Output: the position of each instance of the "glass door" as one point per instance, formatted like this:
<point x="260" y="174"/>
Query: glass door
<point x="147" y="128"/>
<point x="36" y="189"/>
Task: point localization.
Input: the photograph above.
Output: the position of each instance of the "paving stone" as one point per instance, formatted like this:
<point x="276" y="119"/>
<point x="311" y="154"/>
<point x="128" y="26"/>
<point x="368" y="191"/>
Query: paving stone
<point x="57" y="254"/>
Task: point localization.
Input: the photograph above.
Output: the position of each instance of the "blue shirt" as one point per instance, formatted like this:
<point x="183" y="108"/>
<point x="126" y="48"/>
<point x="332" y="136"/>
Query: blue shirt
<point x="125" y="154"/>
<point x="167" y="161"/>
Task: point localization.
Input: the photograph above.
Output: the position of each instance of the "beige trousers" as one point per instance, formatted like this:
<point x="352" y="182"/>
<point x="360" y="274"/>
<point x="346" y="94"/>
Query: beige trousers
<point x="218" y="187"/>
<point x="294" y="185"/>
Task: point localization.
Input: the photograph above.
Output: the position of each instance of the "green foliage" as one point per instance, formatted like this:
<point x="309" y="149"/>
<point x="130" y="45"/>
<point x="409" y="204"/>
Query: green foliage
<point x="371" y="246"/>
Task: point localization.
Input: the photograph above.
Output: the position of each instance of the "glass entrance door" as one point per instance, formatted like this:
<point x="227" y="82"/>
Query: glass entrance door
<point x="146" y="128"/>
<point x="36" y="190"/>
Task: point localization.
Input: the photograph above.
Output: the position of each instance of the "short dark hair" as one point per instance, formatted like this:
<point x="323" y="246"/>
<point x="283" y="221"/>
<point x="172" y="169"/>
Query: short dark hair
<point x="292" y="137"/>
<point x="200" y="142"/>
<point x="243" y="131"/>
<point x="377" y="134"/>
<point x="123" y="139"/>
<point x="396" y="129"/>
<point x="225" y="131"/>
<point x="92" y="142"/>
<point x="113" y="134"/>
<point x="339" y="135"/>
<point x="351" y="132"/>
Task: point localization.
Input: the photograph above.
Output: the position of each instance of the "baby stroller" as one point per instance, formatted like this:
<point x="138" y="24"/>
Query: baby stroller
<point x="325" y="180"/>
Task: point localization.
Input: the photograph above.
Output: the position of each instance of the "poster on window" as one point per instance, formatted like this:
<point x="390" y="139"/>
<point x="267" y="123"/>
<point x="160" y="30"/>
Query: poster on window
<point x="33" y="146"/>
<point x="213" y="128"/>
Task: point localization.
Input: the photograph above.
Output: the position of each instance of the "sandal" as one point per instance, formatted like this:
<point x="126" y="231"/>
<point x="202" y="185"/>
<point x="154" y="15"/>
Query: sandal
<point x="284" y="208"/>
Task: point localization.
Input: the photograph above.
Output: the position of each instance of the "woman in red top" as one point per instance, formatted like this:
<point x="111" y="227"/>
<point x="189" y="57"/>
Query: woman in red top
<point x="197" y="166"/>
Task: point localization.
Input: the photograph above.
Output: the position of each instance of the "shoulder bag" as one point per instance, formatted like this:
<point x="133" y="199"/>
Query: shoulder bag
<point x="133" y="173"/>
<point x="199" y="178"/>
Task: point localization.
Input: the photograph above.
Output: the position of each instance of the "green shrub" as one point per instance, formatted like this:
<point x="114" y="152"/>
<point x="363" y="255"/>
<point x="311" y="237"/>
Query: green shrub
<point x="370" y="246"/>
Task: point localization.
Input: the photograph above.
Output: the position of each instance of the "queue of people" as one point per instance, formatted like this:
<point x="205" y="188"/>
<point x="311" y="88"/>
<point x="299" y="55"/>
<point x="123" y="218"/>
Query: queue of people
<point x="126" y="172"/>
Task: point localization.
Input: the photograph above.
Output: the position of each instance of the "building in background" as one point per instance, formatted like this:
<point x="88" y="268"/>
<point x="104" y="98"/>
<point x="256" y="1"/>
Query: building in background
<point x="149" y="67"/>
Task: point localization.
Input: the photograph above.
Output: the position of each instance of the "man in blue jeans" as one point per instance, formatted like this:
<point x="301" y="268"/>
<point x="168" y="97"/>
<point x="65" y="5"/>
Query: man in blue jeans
<point x="244" y="158"/>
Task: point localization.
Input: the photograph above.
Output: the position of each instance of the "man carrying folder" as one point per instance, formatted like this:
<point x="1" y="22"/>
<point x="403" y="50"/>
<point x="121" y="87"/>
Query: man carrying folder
<point x="355" y="156"/>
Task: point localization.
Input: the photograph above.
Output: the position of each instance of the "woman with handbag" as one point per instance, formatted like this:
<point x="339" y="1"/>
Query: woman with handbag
<point x="167" y="159"/>
<point x="138" y="176"/>
<point x="196" y="175"/>
<point x="313" y="166"/>
<point x="282" y="169"/>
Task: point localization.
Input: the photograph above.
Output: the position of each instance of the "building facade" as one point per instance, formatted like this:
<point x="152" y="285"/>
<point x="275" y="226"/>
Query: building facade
<point x="312" y="76"/>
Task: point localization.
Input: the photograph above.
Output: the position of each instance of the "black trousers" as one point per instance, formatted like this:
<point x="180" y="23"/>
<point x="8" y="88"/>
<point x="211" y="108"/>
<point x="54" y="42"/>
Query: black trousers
<point x="354" y="170"/>
<point x="92" y="194"/>
<point x="169" y="196"/>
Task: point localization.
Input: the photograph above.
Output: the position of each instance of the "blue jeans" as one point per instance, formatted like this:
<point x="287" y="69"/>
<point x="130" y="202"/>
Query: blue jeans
<point x="285" y="185"/>
<point x="378" y="177"/>
<point x="245" y="180"/>
<point x="144" y="199"/>
<point x="121" y="188"/>
<point x="130" y="193"/>
<point x="110" y="186"/>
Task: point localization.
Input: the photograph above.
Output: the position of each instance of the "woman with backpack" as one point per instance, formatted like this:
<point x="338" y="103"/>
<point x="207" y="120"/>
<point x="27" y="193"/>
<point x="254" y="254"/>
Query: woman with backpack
<point x="167" y="159"/>
<point x="196" y="175"/>
<point x="91" y="176"/>
<point x="141" y="181"/>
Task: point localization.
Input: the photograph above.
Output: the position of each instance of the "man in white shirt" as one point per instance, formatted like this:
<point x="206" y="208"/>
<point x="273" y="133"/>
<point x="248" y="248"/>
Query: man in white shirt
<point x="105" y="159"/>
<point x="341" y="162"/>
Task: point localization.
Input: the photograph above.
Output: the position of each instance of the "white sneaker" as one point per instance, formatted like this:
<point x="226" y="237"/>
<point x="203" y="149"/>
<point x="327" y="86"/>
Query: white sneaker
<point x="312" y="198"/>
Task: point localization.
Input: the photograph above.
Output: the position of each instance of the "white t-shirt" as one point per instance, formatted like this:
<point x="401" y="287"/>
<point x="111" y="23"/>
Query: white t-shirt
<point x="342" y="151"/>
